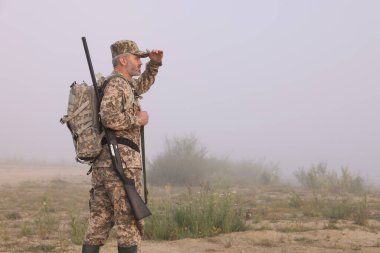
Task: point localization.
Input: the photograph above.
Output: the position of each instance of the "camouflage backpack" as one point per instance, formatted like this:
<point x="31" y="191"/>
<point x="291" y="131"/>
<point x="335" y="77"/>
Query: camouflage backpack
<point x="83" y="121"/>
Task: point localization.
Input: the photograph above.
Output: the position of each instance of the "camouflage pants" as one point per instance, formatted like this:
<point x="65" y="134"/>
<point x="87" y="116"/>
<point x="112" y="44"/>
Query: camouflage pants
<point x="109" y="207"/>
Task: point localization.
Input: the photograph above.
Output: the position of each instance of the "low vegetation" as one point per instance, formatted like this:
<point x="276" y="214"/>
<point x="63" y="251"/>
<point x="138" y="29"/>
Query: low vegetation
<point x="52" y="220"/>
<point x="201" y="215"/>
<point x="320" y="179"/>
<point x="195" y="195"/>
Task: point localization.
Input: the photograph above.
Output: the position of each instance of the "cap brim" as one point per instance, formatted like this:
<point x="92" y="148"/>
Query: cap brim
<point x="142" y="54"/>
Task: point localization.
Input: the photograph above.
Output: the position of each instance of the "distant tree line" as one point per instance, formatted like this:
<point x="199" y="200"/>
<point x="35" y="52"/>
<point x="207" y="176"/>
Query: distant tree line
<point x="186" y="162"/>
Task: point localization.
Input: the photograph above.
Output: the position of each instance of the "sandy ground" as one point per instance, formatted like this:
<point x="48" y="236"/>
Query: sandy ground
<point x="354" y="239"/>
<point x="13" y="174"/>
<point x="323" y="241"/>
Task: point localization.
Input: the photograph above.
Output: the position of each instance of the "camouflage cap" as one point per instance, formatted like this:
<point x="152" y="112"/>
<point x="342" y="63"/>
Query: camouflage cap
<point x="126" y="46"/>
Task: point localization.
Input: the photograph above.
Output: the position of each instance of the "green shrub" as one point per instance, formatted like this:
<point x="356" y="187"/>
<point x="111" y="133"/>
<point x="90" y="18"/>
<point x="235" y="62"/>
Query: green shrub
<point x="13" y="216"/>
<point x="184" y="162"/>
<point x="331" y="225"/>
<point x="45" y="222"/>
<point x="26" y="230"/>
<point x="42" y="248"/>
<point x="205" y="215"/>
<point x="78" y="229"/>
<point x="360" y="215"/>
<point x="295" y="201"/>
<point x="337" y="209"/>
<point x="319" y="178"/>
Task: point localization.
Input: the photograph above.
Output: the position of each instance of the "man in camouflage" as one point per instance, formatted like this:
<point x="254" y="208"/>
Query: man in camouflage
<point x="120" y="111"/>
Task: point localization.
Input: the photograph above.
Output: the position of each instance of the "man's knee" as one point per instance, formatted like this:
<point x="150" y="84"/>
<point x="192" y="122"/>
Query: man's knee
<point x="128" y="233"/>
<point x="98" y="231"/>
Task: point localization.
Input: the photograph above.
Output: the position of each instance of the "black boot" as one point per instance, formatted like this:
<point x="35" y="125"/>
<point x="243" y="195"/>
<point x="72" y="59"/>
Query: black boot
<point x="90" y="248"/>
<point x="132" y="249"/>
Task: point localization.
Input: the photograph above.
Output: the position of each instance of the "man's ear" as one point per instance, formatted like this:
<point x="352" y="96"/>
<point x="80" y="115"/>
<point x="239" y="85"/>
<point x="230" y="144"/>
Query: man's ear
<point x="123" y="60"/>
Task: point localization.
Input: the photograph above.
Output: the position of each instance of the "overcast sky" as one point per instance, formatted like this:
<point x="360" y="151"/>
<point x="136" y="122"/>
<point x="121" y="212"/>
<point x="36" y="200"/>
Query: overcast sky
<point x="292" y="82"/>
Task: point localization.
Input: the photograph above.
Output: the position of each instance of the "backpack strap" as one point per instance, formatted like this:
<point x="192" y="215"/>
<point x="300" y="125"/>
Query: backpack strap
<point x="84" y="127"/>
<point x="109" y="78"/>
<point x="67" y="118"/>
<point x="101" y="88"/>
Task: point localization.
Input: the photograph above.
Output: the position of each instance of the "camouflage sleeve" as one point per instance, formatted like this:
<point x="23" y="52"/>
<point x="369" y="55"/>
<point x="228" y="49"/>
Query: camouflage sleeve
<point x="147" y="78"/>
<point x="113" y="111"/>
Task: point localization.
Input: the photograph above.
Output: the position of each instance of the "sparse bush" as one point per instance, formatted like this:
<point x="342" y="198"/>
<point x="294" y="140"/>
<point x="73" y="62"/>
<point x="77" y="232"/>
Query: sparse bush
<point x="248" y="173"/>
<point x="78" y="229"/>
<point x="205" y="215"/>
<point x="294" y="227"/>
<point x="63" y="240"/>
<point x="350" y="182"/>
<point x="304" y="240"/>
<point x="26" y="230"/>
<point x="184" y="162"/>
<point x="42" y="248"/>
<point x="266" y="243"/>
<point x="13" y="216"/>
<point x="45" y="222"/>
<point x="58" y="183"/>
<point x="331" y="225"/>
<point x="295" y="201"/>
<point x="361" y="213"/>
<point x="318" y="178"/>
<point x="312" y="179"/>
<point x="336" y="210"/>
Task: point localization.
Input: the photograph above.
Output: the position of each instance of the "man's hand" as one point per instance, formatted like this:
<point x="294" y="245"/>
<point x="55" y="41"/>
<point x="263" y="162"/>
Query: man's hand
<point x="143" y="117"/>
<point x="156" y="55"/>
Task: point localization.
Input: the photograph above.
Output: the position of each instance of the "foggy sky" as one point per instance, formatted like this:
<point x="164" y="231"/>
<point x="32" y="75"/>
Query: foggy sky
<point x="290" y="82"/>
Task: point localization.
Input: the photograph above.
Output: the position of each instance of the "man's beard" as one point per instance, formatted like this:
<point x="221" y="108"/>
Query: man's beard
<point x="134" y="71"/>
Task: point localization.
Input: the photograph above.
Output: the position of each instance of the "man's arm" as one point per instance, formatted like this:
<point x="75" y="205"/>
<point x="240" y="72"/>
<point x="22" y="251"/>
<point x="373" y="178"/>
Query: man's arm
<point x="146" y="79"/>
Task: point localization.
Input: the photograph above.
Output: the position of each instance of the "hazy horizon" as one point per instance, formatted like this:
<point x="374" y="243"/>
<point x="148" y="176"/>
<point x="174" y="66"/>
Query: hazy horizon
<point x="290" y="82"/>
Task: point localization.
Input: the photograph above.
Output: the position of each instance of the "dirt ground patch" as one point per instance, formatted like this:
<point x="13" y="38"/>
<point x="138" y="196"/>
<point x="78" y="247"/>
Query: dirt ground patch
<point x="267" y="242"/>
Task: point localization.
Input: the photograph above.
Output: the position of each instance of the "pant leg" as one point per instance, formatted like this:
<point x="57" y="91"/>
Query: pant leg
<point x="101" y="210"/>
<point x="136" y="174"/>
<point x="128" y="229"/>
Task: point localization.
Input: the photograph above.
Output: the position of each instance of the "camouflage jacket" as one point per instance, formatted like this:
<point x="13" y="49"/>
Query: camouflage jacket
<point x="118" y="110"/>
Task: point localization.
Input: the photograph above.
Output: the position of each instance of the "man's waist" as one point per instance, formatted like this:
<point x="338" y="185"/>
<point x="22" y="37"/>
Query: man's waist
<point x="132" y="134"/>
<point x="124" y="141"/>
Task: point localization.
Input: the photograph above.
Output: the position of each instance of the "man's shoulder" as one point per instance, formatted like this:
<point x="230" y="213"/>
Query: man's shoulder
<point x="116" y="77"/>
<point x="116" y="80"/>
<point x="119" y="84"/>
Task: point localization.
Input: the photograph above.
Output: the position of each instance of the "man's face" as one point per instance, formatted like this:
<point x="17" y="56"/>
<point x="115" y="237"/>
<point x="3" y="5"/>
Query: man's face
<point x="133" y="65"/>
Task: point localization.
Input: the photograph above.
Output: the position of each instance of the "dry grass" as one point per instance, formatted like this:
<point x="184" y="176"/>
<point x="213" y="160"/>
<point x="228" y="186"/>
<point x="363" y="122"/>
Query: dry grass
<point x="51" y="216"/>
